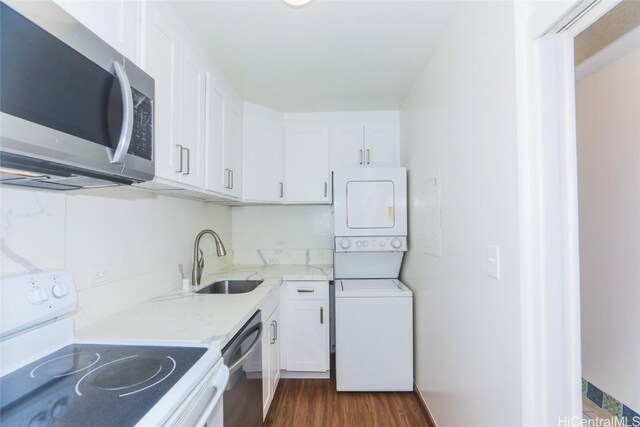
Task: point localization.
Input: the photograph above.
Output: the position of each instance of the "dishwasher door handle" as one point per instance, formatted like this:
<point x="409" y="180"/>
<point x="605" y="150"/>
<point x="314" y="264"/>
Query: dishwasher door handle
<point x="255" y="342"/>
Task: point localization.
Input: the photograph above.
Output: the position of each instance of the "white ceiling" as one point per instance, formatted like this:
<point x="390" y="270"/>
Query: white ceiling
<point x="331" y="55"/>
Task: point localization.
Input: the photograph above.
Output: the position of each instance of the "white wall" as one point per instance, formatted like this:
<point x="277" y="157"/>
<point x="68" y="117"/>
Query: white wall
<point x="139" y="237"/>
<point x="608" y="125"/>
<point x="460" y="118"/>
<point x="282" y="234"/>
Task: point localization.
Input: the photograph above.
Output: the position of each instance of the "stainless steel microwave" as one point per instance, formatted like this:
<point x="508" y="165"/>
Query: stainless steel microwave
<point x="74" y="113"/>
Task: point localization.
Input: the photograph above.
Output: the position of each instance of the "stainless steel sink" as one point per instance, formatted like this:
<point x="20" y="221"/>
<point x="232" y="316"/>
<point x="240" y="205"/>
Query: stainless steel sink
<point x="230" y="287"/>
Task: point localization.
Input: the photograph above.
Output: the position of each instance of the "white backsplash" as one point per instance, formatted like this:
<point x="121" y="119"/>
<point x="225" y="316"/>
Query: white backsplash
<point x="272" y="235"/>
<point x="282" y="256"/>
<point x="138" y="237"/>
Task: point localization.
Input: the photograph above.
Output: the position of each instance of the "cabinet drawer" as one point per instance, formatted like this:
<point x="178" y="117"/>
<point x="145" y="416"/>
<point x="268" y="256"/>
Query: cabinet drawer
<point x="307" y="290"/>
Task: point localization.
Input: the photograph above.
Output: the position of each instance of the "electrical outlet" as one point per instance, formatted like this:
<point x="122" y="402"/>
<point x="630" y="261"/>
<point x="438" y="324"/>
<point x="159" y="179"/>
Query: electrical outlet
<point x="99" y="274"/>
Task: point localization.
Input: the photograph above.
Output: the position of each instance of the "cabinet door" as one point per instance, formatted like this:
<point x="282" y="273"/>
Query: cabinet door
<point x="263" y="160"/>
<point x="191" y="114"/>
<point x="380" y="150"/>
<point x="274" y="350"/>
<point x="214" y="140"/>
<point x="117" y="22"/>
<point x="271" y="359"/>
<point x="307" y="164"/>
<point x="307" y="335"/>
<point x="232" y="141"/>
<point x="161" y="58"/>
<point x="267" y="338"/>
<point x="349" y="147"/>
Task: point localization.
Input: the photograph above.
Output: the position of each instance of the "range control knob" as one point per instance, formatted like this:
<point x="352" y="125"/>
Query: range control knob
<point x="38" y="295"/>
<point x="365" y="243"/>
<point x="396" y="243"/>
<point x="345" y="243"/>
<point x="359" y="243"/>
<point x="60" y="290"/>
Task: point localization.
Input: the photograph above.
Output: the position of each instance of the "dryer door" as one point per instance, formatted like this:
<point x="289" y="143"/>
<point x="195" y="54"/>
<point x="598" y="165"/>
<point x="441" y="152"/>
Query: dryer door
<point x="370" y="202"/>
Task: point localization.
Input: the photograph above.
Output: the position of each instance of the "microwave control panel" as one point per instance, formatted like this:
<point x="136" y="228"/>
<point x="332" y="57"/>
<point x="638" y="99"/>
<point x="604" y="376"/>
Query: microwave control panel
<point x="142" y="135"/>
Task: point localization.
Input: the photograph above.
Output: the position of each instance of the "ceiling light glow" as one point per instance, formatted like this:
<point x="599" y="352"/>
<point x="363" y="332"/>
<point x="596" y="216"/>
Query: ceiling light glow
<point x="297" y="3"/>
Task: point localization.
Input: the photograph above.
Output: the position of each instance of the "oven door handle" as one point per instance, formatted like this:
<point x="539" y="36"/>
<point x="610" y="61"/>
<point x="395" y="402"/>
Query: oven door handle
<point x="127" y="115"/>
<point x="220" y="384"/>
<point x="255" y="342"/>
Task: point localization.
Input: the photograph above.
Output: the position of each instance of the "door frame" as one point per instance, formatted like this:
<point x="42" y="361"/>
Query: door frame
<point x="548" y="188"/>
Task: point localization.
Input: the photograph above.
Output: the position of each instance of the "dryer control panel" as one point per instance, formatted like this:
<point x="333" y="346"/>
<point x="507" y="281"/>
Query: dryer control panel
<point x="371" y="244"/>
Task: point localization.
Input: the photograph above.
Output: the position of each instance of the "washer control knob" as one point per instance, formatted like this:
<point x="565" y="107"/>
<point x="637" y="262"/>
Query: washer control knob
<point x="60" y="290"/>
<point x="396" y="243"/>
<point x="345" y="243"/>
<point x="38" y="295"/>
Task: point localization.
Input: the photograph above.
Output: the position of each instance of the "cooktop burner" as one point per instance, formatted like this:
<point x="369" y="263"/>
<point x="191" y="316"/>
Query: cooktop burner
<point x="90" y="384"/>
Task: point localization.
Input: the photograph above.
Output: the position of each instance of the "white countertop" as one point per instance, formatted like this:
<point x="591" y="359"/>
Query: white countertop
<point x="186" y="317"/>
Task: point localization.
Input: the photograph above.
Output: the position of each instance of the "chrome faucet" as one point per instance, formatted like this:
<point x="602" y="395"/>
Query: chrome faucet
<point x="198" y="256"/>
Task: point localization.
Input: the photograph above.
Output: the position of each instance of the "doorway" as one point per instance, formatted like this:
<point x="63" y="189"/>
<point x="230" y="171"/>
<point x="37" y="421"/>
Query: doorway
<point x="607" y="93"/>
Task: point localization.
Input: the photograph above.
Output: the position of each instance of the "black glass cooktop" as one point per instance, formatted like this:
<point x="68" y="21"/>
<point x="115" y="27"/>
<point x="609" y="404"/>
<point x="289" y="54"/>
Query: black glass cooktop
<point x="92" y="385"/>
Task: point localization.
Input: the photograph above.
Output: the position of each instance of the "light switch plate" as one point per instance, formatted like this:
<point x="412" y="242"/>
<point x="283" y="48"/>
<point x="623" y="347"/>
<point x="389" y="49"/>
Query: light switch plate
<point x="493" y="261"/>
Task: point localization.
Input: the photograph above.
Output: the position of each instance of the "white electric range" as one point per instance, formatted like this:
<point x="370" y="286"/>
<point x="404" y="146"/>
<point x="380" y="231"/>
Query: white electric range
<point x="48" y="379"/>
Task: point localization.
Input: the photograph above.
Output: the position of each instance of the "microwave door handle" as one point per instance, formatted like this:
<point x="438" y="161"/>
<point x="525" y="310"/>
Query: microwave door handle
<point x="127" y="115"/>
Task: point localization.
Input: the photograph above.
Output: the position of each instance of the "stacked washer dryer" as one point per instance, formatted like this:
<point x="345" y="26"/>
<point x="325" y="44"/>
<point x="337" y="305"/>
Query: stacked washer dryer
<point x="373" y="309"/>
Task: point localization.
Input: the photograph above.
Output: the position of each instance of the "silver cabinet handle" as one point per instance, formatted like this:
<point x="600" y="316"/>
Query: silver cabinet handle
<point x="368" y="156"/>
<point x="321" y="315"/>
<point x="180" y="148"/>
<point x="228" y="179"/>
<point x="281" y="190"/>
<point x="306" y="291"/>
<point x="325" y="189"/>
<point x="188" y="171"/>
<point x="127" y="115"/>
<point x="231" y="182"/>
<point x="273" y="332"/>
<point x="360" y="156"/>
<point x="276" y="322"/>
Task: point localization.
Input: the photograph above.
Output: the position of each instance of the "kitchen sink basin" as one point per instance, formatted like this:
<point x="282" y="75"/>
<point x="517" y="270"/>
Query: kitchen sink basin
<point x="230" y="287"/>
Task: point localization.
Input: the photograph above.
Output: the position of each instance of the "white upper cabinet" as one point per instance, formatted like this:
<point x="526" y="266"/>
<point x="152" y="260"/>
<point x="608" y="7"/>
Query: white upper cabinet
<point x="191" y="117"/>
<point x="349" y="143"/>
<point x="232" y="148"/>
<point x="115" y="21"/>
<point x="214" y="140"/>
<point x="367" y="140"/>
<point x="379" y="147"/>
<point x="263" y="154"/>
<point x="307" y="164"/>
<point x="161" y="62"/>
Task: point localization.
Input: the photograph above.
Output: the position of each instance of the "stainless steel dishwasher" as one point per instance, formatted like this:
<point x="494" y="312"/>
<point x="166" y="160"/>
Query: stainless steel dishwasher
<point x="242" y="400"/>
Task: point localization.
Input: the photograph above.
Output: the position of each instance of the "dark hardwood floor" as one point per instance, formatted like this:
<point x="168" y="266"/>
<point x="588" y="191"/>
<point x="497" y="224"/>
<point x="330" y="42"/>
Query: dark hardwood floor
<point x="316" y="403"/>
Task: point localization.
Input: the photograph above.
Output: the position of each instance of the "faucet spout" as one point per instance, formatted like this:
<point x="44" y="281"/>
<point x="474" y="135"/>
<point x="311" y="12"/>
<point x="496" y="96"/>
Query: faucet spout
<point x="198" y="256"/>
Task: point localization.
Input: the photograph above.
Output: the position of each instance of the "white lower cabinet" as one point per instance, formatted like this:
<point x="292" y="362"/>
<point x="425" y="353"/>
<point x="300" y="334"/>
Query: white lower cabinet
<point x="270" y="359"/>
<point x="307" y="326"/>
<point x="270" y="348"/>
